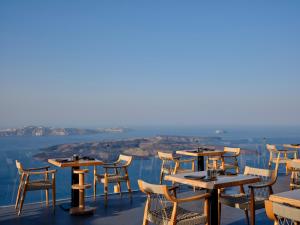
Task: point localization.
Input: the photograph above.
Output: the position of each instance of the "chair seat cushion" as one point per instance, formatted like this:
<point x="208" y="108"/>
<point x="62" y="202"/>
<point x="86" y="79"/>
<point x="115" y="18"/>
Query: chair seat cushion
<point x="184" y="170"/>
<point x="280" y="160"/>
<point x="39" y="185"/>
<point x="161" y="216"/>
<point x="241" y="201"/>
<point x="112" y="178"/>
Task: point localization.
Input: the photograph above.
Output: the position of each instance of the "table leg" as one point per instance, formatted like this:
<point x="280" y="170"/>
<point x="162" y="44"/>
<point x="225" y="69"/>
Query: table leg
<point x="74" y="193"/>
<point x="214" y="214"/>
<point x="200" y="163"/>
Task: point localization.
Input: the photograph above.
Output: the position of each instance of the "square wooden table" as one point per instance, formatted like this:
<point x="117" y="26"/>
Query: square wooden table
<point x="213" y="186"/>
<point x="200" y="155"/>
<point x="288" y="197"/>
<point x="74" y="177"/>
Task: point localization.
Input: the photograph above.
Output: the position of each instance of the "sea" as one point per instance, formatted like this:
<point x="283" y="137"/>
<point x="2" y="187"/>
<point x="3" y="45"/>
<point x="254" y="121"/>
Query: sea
<point x="23" y="148"/>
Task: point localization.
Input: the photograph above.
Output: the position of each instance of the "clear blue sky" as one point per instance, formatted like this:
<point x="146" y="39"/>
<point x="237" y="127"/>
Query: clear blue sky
<point x="122" y="63"/>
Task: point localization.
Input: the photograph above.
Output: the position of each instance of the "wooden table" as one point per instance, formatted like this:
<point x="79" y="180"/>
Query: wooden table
<point x="200" y="155"/>
<point x="289" y="197"/>
<point x="75" y="165"/>
<point x="213" y="186"/>
<point x="291" y="146"/>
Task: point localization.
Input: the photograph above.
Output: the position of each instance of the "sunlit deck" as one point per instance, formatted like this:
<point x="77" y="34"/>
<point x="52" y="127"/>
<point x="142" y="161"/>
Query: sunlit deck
<point x="120" y="210"/>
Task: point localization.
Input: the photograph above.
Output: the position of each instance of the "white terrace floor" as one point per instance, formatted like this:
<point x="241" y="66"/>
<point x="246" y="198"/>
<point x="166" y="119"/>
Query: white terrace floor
<point x="120" y="211"/>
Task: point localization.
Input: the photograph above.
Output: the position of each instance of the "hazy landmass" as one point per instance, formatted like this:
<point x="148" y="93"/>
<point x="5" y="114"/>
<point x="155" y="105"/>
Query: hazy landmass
<point x="51" y="131"/>
<point x="140" y="148"/>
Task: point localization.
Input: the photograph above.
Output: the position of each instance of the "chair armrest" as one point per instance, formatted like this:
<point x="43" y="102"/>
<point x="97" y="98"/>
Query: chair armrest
<point x="38" y="168"/>
<point x="40" y="172"/>
<point x="254" y="186"/>
<point x="192" y="198"/>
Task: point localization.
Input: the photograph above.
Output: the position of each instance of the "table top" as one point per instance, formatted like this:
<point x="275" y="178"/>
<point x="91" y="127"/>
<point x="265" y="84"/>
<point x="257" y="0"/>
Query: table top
<point x="289" y="197"/>
<point x="202" y="153"/>
<point x="294" y="163"/>
<point x="76" y="163"/>
<point x="291" y="146"/>
<point x="221" y="182"/>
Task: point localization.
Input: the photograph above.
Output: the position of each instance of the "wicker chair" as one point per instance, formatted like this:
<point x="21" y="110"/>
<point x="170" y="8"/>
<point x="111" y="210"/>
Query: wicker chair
<point x="27" y="183"/>
<point x="226" y="162"/>
<point x="281" y="154"/>
<point x="257" y="193"/>
<point x="119" y="175"/>
<point x="294" y="168"/>
<point x="163" y="208"/>
<point x="282" y="214"/>
<point x="173" y="164"/>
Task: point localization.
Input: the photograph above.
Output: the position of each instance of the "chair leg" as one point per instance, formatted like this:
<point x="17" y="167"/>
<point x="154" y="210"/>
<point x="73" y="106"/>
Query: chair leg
<point x="22" y="201"/>
<point x="53" y="198"/>
<point x="47" y="197"/>
<point x="252" y="215"/>
<point x="95" y="189"/>
<point x="161" y="177"/>
<point x="120" y="190"/>
<point x="105" y="193"/>
<point x="247" y="216"/>
<point x="128" y="187"/>
<point x="18" y="196"/>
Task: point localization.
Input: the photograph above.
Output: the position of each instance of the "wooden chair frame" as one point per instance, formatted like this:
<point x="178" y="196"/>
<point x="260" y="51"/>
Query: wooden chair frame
<point x="26" y="184"/>
<point x="219" y="162"/>
<point x="118" y="167"/>
<point x="281" y="154"/>
<point x="169" y="157"/>
<point x="253" y="188"/>
<point x="277" y="212"/>
<point x="164" y="190"/>
<point x="294" y="168"/>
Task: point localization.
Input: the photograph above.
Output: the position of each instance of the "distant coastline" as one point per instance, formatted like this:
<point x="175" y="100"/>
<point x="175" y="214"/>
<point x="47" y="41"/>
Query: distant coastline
<point x="139" y="147"/>
<point x="52" y="131"/>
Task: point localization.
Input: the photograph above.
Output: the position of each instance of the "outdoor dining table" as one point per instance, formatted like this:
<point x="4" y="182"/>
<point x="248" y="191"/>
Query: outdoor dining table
<point x="288" y="197"/>
<point x="75" y="165"/>
<point x="292" y="146"/>
<point x="213" y="186"/>
<point x="200" y="155"/>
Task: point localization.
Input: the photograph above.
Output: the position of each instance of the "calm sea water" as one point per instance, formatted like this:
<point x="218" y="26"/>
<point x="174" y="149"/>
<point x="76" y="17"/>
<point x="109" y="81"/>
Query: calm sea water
<point x="23" y="148"/>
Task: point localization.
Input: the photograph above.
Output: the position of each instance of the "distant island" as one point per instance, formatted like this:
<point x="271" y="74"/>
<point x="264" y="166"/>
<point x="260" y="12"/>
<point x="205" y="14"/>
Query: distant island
<point x="139" y="148"/>
<point x="51" y="131"/>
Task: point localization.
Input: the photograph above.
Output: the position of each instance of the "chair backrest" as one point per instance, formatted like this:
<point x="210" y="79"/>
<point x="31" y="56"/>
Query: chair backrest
<point x="266" y="176"/>
<point x="165" y="156"/>
<point x="258" y="172"/>
<point x="282" y="214"/>
<point x="271" y="148"/>
<point x="125" y="159"/>
<point x="19" y="167"/>
<point x="148" y="188"/>
<point x="158" y="200"/>
<point x="294" y="167"/>
<point x="235" y="151"/>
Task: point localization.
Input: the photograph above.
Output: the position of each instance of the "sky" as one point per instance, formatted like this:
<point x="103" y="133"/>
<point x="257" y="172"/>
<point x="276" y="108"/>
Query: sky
<point x="125" y="63"/>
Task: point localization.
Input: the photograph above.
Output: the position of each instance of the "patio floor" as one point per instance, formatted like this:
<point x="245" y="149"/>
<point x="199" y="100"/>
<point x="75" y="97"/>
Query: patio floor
<point x="120" y="210"/>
